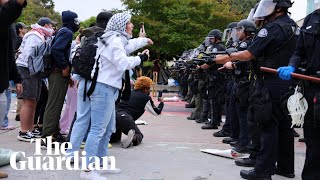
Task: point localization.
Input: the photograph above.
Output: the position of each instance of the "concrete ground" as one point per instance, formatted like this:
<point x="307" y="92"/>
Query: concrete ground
<point x="170" y="151"/>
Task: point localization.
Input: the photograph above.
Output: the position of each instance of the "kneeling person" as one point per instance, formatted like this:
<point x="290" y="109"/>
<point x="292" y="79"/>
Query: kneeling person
<point x="129" y="111"/>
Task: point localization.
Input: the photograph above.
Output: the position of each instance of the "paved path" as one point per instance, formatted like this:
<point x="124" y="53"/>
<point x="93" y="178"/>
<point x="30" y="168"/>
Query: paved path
<point x="170" y="151"/>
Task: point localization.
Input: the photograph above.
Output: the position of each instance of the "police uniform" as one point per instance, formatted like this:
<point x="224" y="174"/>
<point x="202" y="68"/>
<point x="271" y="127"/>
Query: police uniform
<point x="215" y="89"/>
<point x="273" y="48"/>
<point x="239" y="99"/>
<point x="307" y="56"/>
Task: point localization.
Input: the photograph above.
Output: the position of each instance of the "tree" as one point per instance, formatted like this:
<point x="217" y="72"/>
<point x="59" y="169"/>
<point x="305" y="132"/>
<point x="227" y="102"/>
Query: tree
<point x="177" y="25"/>
<point x="37" y="9"/>
<point x="243" y="6"/>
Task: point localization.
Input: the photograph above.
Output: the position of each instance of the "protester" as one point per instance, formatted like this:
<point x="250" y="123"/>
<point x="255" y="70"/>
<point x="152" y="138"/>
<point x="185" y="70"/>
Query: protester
<point x="21" y="30"/>
<point x="31" y="84"/>
<point x="129" y="111"/>
<point x="60" y="77"/>
<point x="9" y="12"/>
<point x="113" y="49"/>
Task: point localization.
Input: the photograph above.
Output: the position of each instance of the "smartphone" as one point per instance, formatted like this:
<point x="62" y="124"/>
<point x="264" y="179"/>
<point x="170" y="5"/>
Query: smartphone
<point x="159" y="95"/>
<point x="142" y="30"/>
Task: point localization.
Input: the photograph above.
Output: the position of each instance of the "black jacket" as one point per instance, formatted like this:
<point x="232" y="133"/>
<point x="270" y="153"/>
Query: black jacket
<point x="61" y="48"/>
<point x="136" y="104"/>
<point x="307" y="51"/>
<point x="8" y="14"/>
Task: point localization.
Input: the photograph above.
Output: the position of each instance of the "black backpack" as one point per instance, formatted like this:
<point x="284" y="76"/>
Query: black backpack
<point x="84" y="60"/>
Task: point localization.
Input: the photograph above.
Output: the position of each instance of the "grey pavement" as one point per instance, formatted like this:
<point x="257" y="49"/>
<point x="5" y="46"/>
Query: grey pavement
<point x="170" y="151"/>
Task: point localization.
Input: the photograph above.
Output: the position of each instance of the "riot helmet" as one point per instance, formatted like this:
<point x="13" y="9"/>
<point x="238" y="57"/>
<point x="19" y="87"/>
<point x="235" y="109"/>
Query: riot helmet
<point x="215" y="33"/>
<point x="252" y="11"/>
<point x="267" y="7"/>
<point x="244" y="28"/>
<point x="228" y="30"/>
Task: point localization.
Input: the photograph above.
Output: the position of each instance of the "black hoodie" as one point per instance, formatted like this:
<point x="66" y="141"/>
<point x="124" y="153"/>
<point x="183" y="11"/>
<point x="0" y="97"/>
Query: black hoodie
<point x="9" y="12"/>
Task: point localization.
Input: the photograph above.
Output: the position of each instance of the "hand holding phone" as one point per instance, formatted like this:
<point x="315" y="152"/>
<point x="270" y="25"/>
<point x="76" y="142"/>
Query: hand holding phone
<point x="142" y="31"/>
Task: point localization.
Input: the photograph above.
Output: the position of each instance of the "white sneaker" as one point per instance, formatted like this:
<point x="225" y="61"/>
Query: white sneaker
<point x="25" y="136"/>
<point x="91" y="175"/>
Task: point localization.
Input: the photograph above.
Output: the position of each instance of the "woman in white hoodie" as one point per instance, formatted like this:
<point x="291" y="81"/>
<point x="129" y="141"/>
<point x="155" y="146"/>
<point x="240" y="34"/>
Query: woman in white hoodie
<point x="114" y="48"/>
<point x="31" y="84"/>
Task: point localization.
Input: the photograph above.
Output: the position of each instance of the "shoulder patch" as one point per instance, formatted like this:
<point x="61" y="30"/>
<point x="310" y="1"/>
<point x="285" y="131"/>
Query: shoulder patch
<point x="214" y="50"/>
<point x="235" y="44"/>
<point x="263" y="33"/>
<point x="243" y="45"/>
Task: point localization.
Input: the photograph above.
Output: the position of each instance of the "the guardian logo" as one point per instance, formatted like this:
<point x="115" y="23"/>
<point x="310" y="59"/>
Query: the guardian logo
<point x="54" y="158"/>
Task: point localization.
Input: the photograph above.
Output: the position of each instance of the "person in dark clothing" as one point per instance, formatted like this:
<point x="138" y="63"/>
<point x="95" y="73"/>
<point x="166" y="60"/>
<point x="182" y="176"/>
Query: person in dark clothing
<point x="21" y="30"/>
<point x="214" y="87"/>
<point x="60" y="77"/>
<point x="9" y="12"/>
<point x="272" y="47"/>
<point x="129" y="111"/>
<point x="306" y="56"/>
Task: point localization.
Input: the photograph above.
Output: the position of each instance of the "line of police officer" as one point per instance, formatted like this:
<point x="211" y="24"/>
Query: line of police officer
<point x="257" y="99"/>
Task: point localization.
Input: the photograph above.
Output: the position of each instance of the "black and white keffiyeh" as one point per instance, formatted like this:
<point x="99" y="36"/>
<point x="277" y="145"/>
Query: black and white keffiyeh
<point x="117" y="25"/>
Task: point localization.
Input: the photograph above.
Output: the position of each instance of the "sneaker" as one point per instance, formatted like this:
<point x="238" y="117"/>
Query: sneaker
<point x="91" y="175"/>
<point x="25" y="136"/>
<point x="128" y="141"/>
<point x="36" y="133"/>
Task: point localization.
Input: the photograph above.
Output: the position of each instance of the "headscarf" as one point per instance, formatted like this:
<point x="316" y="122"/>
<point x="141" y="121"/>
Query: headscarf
<point x="117" y="25"/>
<point x="47" y="32"/>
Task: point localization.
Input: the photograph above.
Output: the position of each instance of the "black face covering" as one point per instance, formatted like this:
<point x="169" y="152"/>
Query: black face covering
<point x="73" y="26"/>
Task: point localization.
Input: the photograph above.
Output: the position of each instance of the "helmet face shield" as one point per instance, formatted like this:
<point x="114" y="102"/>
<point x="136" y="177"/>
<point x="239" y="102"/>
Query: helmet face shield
<point x="265" y="8"/>
<point x="226" y="34"/>
<point x="238" y="32"/>
<point x="250" y="16"/>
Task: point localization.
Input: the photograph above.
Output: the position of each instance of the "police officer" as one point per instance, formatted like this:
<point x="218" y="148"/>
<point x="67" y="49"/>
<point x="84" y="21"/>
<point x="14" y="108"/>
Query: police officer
<point x="215" y="86"/>
<point x="245" y="31"/>
<point x="272" y="47"/>
<point x="228" y="36"/>
<point x="306" y="56"/>
<point x="226" y="128"/>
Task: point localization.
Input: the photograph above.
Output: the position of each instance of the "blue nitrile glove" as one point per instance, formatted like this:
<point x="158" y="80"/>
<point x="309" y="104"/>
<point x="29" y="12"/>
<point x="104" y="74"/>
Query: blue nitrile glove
<point x="285" y="72"/>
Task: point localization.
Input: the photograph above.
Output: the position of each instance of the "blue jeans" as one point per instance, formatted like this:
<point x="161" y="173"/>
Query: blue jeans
<point x="101" y="110"/>
<point x="3" y="104"/>
<point x="5" y="122"/>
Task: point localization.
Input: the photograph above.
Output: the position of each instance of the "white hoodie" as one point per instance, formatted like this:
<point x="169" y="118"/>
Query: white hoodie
<point x="114" y="59"/>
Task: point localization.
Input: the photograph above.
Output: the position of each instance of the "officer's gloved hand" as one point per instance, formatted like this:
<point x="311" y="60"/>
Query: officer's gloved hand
<point x="229" y="51"/>
<point x="285" y="72"/>
<point x="210" y="61"/>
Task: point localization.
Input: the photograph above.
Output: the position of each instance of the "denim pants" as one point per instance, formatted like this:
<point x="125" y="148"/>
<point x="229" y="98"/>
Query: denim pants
<point x="101" y="109"/>
<point x="7" y="93"/>
<point x="3" y="105"/>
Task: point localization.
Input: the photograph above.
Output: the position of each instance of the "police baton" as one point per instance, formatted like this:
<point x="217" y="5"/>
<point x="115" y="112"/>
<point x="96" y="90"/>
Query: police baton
<point x="295" y="75"/>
